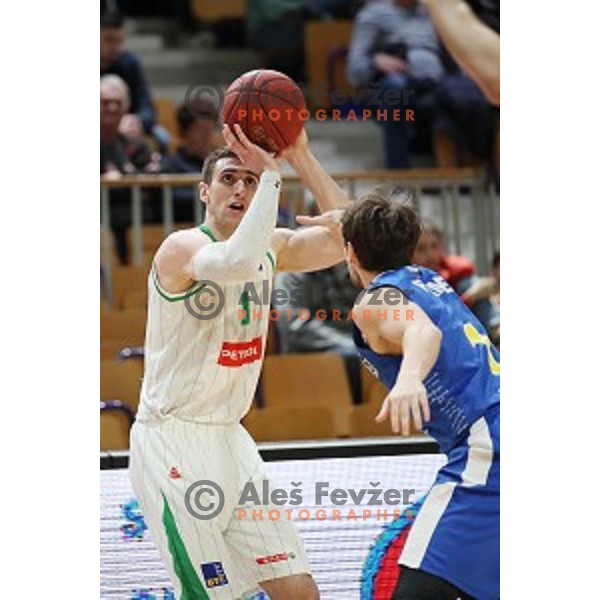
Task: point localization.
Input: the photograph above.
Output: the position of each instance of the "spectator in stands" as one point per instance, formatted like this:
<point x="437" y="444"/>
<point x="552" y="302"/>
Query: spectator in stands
<point x="325" y="291"/>
<point x="197" y="125"/>
<point x="465" y="122"/>
<point x="331" y="9"/>
<point x="120" y="154"/>
<point x="459" y="272"/>
<point x="114" y="60"/>
<point x="276" y="31"/>
<point x="488" y="288"/>
<point x="395" y="49"/>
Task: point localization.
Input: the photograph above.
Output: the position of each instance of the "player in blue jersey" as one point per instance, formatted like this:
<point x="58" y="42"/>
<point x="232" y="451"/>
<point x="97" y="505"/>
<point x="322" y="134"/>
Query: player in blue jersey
<point x="442" y="372"/>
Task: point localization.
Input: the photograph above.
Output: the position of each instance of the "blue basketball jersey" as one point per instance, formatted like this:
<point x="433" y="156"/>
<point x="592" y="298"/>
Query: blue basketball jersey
<point x="464" y="382"/>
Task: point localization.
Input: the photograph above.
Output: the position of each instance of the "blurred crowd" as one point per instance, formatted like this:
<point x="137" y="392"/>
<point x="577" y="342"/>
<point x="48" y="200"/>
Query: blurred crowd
<point x="393" y="47"/>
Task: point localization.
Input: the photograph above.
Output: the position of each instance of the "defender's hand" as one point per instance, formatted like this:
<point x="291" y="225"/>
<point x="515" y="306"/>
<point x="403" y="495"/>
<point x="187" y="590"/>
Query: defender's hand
<point x="408" y="397"/>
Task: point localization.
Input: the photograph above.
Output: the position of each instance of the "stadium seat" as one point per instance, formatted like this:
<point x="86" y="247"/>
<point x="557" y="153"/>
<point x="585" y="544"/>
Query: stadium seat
<point x="152" y="237"/>
<point x="290" y="423"/>
<point x="272" y="345"/>
<point x="127" y="326"/>
<point x="373" y="391"/>
<point x="167" y="117"/>
<point x="127" y="279"/>
<point x="313" y="379"/>
<point x="110" y="350"/>
<point x="104" y="306"/>
<point x="136" y="300"/>
<point x="210" y="11"/>
<point x="323" y="41"/>
<point x="121" y="381"/>
<point x="116" y="419"/>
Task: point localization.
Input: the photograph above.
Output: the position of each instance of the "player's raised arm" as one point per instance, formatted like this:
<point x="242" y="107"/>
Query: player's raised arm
<point x="402" y="328"/>
<point x="321" y="245"/>
<point x="183" y="259"/>
<point x="313" y="248"/>
<point x="328" y="194"/>
<point x="474" y="46"/>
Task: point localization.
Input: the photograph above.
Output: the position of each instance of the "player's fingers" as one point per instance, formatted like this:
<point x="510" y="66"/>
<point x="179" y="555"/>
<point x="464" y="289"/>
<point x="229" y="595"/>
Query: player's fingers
<point x="395" y="416"/>
<point x="307" y="220"/>
<point x="244" y="141"/>
<point x="416" y="414"/>
<point x="384" y="412"/>
<point x="230" y="139"/>
<point x="405" y="416"/>
<point x="424" y="402"/>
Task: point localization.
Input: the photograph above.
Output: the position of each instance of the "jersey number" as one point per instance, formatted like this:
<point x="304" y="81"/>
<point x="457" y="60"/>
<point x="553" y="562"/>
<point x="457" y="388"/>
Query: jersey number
<point x="246" y="308"/>
<point x="475" y="338"/>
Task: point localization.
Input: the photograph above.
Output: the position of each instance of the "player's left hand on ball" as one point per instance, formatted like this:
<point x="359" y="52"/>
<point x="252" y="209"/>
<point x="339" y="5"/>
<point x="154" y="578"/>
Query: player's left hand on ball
<point x="298" y="147"/>
<point x="253" y="157"/>
<point x="408" y="398"/>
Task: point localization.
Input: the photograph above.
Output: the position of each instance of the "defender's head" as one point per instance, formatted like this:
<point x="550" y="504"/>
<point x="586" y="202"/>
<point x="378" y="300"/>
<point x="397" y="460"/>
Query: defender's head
<point x="380" y="234"/>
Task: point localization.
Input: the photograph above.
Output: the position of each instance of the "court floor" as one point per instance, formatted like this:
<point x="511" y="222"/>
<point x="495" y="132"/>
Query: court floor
<point x="337" y="543"/>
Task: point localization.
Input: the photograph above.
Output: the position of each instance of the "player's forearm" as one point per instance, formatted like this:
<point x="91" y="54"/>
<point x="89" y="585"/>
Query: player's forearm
<point x="420" y="348"/>
<point x="328" y="194"/>
<point x="238" y="258"/>
<point x="474" y="46"/>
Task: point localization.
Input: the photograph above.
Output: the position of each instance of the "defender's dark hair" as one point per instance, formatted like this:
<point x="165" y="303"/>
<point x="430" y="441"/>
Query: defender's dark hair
<point x="111" y="20"/>
<point x="382" y="231"/>
<point x="200" y="110"/>
<point x="212" y="159"/>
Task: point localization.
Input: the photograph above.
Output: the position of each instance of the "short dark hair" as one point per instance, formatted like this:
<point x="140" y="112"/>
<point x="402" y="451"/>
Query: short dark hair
<point x="383" y="231"/>
<point x="200" y="110"/>
<point x="211" y="160"/>
<point x="111" y="20"/>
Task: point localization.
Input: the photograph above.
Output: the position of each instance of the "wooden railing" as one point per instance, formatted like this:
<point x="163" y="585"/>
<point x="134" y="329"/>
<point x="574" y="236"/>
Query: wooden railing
<point x="445" y="183"/>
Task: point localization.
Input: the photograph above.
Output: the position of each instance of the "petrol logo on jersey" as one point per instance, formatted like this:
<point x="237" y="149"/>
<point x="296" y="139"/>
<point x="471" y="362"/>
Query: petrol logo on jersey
<point x="214" y="575"/>
<point x="236" y="354"/>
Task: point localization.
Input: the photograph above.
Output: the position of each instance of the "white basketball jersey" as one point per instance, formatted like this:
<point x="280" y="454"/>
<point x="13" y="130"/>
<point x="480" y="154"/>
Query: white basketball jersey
<point x="204" y="348"/>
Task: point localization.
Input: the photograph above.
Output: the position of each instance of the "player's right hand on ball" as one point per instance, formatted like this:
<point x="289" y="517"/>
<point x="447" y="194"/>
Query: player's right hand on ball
<point x="253" y="157"/>
<point x="407" y="398"/>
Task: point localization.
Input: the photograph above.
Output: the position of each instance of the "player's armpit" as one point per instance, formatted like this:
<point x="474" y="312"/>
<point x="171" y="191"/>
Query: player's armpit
<point x="310" y="249"/>
<point x="171" y="263"/>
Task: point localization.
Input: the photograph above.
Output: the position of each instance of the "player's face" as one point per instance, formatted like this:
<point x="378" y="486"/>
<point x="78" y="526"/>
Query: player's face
<point x="429" y="251"/>
<point x="230" y="193"/>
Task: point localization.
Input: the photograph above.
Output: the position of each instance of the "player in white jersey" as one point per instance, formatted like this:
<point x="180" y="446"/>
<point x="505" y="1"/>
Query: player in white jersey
<point x="201" y="375"/>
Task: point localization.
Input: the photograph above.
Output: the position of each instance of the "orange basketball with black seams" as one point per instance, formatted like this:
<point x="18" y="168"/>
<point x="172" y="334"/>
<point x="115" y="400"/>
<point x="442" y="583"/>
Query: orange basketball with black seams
<point x="268" y="106"/>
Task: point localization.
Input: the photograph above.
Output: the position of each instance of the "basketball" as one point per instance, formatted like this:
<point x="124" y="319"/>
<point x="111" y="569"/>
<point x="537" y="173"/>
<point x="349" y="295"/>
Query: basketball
<point x="268" y="106"/>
